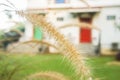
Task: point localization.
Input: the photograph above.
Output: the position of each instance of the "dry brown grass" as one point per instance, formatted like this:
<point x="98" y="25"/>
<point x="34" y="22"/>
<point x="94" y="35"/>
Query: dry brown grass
<point x="46" y="76"/>
<point x="41" y="42"/>
<point x="117" y="63"/>
<point x="82" y="25"/>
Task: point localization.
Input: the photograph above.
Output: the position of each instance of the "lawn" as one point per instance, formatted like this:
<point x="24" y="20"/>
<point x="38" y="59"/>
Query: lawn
<point x="32" y="64"/>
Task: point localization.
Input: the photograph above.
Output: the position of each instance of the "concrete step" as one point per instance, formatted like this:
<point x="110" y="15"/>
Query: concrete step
<point x="86" y="49"/>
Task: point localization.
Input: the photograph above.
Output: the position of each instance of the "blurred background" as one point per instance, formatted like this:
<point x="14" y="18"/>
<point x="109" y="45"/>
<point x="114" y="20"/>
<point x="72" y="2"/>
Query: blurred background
<point x="98" y="36"/>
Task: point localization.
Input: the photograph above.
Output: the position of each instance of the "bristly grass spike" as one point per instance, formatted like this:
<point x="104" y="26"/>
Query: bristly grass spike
<point x="73" y="55"/>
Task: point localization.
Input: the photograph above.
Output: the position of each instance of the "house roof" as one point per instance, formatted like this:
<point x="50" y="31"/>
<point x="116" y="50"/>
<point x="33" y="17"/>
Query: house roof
<point x="103" y="3"/>
<point x="78" y="5"/>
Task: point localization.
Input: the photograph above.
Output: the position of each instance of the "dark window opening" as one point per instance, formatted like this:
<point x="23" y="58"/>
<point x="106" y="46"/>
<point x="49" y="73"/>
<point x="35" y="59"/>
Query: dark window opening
<point x="60" y="19"/>
<point x="111" y="17"/>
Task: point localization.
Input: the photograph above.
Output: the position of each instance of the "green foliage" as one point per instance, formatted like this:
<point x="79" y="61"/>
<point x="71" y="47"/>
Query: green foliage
<point x="8" y="67"/>
<point x="56" y="63"/>
<point x="38" y="63"/>
<point x="102" y="70"/>
<point x="1" y="34"/>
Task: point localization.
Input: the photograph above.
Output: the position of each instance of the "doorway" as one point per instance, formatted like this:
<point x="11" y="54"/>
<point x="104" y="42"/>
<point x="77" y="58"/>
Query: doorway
<point x="85" y="33"/>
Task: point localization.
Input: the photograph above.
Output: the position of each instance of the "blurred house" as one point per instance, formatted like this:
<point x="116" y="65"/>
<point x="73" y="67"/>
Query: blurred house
<point x="104" y="14"/>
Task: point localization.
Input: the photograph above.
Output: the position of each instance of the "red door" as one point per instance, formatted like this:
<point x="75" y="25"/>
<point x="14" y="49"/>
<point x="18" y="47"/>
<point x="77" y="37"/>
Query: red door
<point x="85" y="33"/>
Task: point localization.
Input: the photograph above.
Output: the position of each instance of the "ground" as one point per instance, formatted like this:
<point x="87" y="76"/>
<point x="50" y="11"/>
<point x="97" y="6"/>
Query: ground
<point x="36" y="63"/>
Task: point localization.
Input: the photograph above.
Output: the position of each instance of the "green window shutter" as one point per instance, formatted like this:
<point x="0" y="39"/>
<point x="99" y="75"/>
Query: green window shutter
<point x="38" y="33"/>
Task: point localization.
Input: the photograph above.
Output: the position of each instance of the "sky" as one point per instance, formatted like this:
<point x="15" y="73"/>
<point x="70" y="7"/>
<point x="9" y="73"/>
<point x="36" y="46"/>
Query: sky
<point x="19" y="5"/>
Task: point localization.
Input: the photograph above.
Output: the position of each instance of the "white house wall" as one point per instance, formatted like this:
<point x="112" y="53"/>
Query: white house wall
<point x="28" y="34"/>
<point x="109" y="31"/>
<point x="70" y="33"/>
